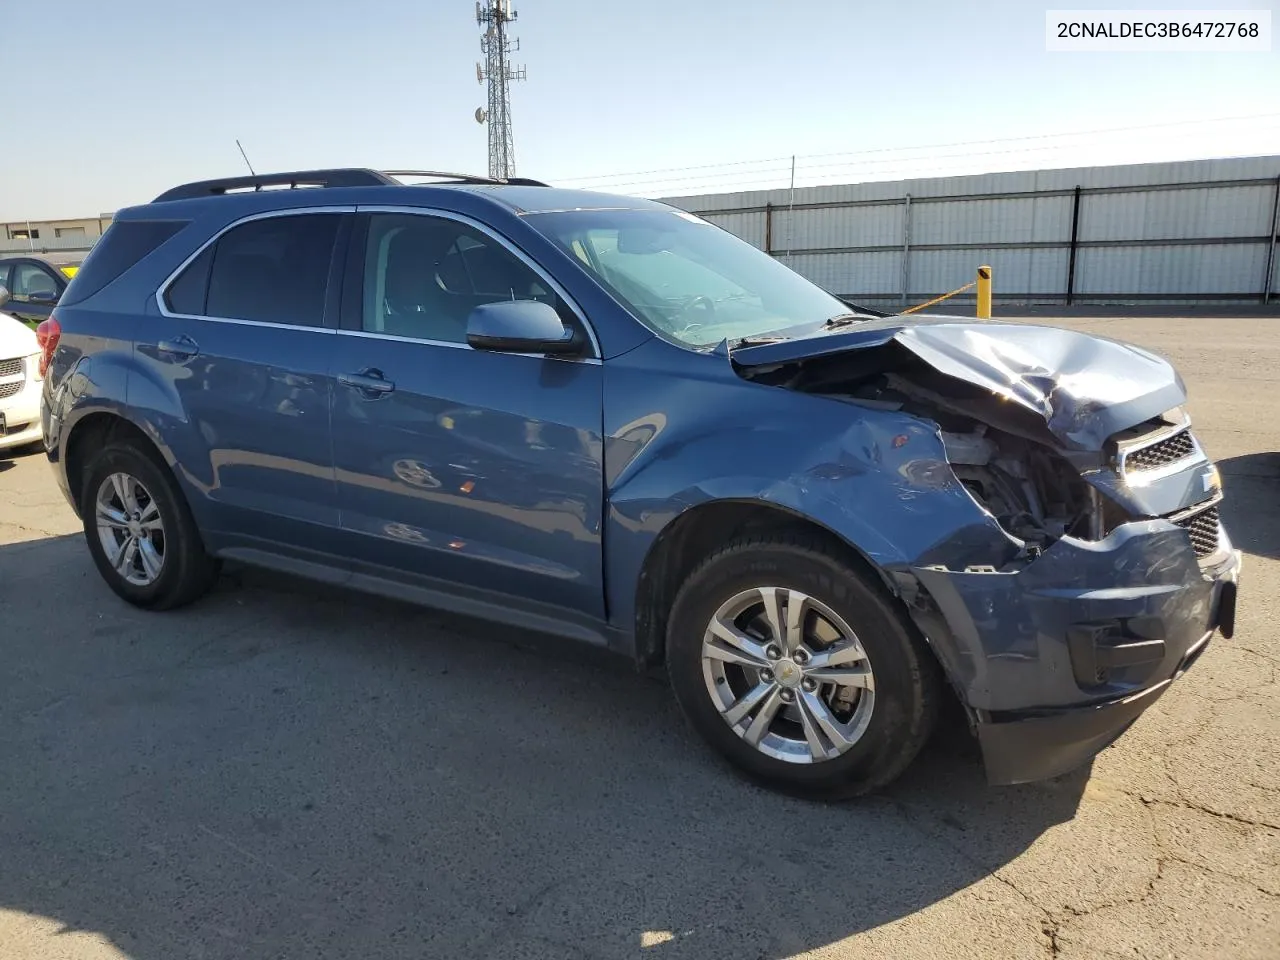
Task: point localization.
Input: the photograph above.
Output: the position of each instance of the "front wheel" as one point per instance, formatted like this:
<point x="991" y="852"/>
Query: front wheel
<point x="798" y="670"/>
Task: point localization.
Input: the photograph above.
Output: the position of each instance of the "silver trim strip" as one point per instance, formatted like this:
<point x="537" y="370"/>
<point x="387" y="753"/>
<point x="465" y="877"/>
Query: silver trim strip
<point x="349" y="208"/>
<point x="1192" y="652"/>
<point x="505" y="244"/>
<point x="292" y="212"/>
<point x="455" y="345"/>
<point x="1155" y="436"/>
<point x="254" y="323"/>
<point x="1193" y="510"/>
<point x="1127" y="448"/>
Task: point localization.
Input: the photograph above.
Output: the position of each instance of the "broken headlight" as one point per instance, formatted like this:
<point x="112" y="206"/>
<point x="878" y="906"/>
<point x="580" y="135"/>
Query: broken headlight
<point x="1031" y="492"/>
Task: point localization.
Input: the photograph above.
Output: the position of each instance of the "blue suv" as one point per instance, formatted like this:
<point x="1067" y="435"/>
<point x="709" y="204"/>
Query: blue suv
<point x="607" y="419"/>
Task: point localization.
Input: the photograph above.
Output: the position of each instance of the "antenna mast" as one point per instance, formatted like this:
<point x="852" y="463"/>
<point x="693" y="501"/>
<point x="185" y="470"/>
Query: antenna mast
<point x="493" y="17"/>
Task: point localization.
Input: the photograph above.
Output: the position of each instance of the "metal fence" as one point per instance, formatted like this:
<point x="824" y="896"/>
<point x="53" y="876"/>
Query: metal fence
<point x="1177" y="233"/>
<point x="56" y="248"/>
<point x="1201" y="231"/>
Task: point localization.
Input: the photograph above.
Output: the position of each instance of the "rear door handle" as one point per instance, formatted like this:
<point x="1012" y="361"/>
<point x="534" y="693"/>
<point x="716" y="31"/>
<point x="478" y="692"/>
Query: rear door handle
<point x="369" y="382"/>
<point x="180" y="347"/>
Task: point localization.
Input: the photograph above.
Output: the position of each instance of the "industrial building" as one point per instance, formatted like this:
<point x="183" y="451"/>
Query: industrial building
<point x="1190" y="232"/>
<point x="57" y="240"/>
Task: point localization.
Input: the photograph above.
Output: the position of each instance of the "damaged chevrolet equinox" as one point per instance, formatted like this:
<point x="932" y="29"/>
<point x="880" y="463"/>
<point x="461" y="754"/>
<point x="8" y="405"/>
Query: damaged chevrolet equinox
<point x="607" y="419"/>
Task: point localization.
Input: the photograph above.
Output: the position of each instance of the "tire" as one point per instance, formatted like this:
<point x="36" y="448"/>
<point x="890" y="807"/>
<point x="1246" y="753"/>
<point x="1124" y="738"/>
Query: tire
<point x="185" y="572"/>
<point x="904" y="682"/>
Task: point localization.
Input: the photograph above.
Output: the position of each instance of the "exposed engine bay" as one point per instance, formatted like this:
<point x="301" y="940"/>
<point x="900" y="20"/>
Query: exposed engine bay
<point x="1031" y="490"/>
<point x="1005" y="457"/>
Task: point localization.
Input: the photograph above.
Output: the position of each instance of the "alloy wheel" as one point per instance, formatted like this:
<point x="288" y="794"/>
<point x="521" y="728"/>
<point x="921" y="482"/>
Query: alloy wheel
<point x="788" y="675"/>
<point x="130" y="528"/>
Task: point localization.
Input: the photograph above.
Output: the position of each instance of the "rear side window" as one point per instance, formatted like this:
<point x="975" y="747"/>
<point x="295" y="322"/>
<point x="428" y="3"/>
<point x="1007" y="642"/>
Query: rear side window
<point x="188" y="292"/>
<point x="124" y="244"/>
<point x="274" y="270"/>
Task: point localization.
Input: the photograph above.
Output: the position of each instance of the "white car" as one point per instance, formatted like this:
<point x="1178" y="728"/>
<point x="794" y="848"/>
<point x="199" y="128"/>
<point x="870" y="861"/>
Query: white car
<point x="19" y="381"/>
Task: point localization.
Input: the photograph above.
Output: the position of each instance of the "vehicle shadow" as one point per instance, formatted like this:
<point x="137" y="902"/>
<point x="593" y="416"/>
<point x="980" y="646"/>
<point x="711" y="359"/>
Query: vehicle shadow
<point x="285" y="770"/>
<point x="10" y="456"/>
<point x="1252" y="487"/>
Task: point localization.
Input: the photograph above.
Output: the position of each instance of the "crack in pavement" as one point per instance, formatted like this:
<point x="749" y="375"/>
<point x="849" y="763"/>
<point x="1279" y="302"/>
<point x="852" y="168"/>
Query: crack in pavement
<point x="1201" y="726"/>
<point x="1071" y="913"/>
<point x="1247" y="881"/>
<point x="1186" y="804"/>
<point x="1048" y="923"/>
<point x="1273" y="660"/>
<point x="1163" y="858"/>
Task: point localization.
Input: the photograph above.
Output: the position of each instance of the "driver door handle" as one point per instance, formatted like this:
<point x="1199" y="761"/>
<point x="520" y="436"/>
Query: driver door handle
<point x="180" y="347"/>
<point x="371" y="383"/>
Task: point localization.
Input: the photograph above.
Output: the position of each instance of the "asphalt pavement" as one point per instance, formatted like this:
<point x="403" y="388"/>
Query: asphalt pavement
<point x="288" y="771"/>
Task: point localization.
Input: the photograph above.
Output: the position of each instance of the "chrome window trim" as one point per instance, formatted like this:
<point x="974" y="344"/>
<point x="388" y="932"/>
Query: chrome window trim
<point x="455" y="345"/>
<point x="266" y="215"/>
<point x="510" y="248"/>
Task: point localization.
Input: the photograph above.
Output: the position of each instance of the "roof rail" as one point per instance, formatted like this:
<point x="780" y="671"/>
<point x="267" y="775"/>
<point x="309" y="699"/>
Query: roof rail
<point x="345" y="177"/>
<point x="465" y="177"/>
<point x="350" y="177"/>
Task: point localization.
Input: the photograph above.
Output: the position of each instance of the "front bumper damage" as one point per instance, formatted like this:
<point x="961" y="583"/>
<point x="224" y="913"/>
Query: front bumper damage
<point x="1057" y="539"/>
<point x="1055" y="660"/>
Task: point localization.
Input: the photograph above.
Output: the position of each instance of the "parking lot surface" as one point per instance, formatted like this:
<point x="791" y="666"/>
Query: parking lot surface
<point x="286" y="771"/>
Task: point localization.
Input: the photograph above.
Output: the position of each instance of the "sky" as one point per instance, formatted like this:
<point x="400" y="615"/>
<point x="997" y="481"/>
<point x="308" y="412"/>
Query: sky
<point x="130" y="97"/>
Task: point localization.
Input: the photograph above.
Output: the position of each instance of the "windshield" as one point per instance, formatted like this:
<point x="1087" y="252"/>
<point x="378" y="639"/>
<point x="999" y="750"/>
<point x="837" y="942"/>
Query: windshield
<point x="686" y="279"/>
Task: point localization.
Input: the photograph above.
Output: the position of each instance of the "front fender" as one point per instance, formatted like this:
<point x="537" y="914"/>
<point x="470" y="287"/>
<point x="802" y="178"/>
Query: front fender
<point x="878" y="479"/>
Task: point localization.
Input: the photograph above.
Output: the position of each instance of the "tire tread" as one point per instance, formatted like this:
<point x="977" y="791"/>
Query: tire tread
<point x="925" y="672"/>
<point x="197" y="570"/>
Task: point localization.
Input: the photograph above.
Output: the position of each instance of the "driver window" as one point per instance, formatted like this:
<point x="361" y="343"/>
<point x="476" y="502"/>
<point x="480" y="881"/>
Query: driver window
<point x="32" y="281"/>
<point x="424" y="275"/>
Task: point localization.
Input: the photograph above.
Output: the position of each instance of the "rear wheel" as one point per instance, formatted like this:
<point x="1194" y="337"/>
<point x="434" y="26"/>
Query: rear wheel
<point x="798" y="670"/>
<point x="140" y="531"/>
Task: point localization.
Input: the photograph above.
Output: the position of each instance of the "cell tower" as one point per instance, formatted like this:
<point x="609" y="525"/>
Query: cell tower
<point x="493" y="17"/>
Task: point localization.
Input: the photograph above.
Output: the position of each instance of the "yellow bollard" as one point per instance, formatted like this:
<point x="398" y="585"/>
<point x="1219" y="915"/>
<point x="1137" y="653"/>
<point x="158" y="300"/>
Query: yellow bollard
<point x="984" y="293"/>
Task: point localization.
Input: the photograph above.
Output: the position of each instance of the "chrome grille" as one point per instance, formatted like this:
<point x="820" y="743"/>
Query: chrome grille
<point x="9" y="389"/>
<point x="10" y="368"/>
<point x="1169" y="450"/>
<point x="1203" y="527"/>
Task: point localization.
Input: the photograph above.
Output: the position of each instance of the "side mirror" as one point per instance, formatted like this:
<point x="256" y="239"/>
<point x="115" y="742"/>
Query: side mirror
<point x="4" y="295"/>
<point x="520" y="326"/>
<point x="43" y="297"/>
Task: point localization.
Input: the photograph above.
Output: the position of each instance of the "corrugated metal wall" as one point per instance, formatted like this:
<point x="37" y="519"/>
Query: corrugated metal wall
<point x="1202" y="230"/>
<point x="14" y="248"/>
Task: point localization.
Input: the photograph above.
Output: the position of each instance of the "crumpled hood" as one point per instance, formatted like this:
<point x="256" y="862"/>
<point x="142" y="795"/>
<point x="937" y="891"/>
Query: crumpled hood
<point x="1085" y="387"/>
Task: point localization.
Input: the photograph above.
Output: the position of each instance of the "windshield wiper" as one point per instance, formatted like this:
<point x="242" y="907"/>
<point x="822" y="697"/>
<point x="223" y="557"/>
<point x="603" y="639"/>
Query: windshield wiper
<point x="845" y="319"/>
<point x="763" y="338"/>
<point x="758" y="340"/>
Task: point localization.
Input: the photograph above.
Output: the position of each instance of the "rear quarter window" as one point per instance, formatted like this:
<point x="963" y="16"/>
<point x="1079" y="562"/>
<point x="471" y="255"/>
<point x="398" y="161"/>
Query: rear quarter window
<point x="188" y="293"/>
<point x="124" y="244"/>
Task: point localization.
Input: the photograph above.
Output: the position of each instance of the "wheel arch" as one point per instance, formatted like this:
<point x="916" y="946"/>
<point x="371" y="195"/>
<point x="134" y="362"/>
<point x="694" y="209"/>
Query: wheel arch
<point x="95" y="430"/>
<point x="695" y="532"/>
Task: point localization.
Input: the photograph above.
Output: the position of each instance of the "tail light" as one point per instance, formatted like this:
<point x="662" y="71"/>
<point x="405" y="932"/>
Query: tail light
<point x="47" y="335"/>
